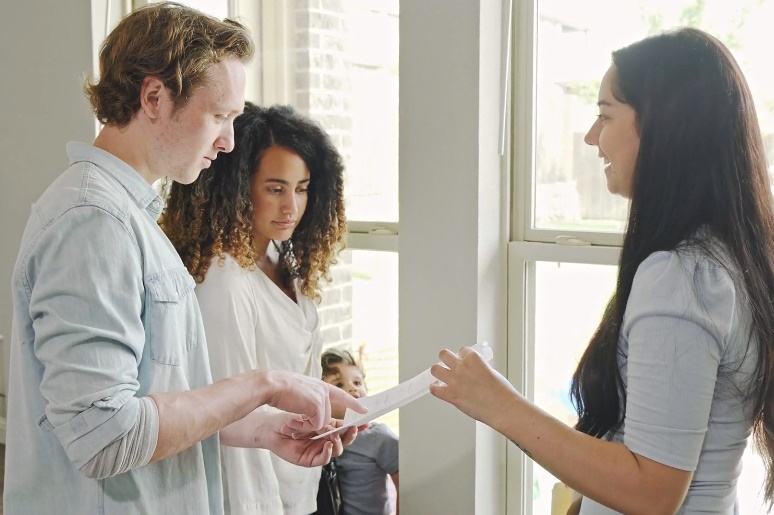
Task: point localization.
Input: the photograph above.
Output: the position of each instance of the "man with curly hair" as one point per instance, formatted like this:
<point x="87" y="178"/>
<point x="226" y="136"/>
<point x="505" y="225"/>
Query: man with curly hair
<point x="112" y="404"/>
<point x="259" y="232"/>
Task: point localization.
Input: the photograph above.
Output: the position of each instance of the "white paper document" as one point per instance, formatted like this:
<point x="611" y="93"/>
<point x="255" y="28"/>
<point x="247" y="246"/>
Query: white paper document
<point x="397" y="396"/>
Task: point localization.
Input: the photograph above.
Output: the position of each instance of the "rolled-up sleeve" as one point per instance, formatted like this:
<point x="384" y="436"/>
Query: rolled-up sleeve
<point x="86" y="299"/>
<point x="677" y="322"/>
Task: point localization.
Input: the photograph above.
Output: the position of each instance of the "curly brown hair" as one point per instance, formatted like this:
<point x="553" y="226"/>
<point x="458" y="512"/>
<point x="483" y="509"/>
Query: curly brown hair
<point x="174" y="43"/>
<point x="213" y="215"/>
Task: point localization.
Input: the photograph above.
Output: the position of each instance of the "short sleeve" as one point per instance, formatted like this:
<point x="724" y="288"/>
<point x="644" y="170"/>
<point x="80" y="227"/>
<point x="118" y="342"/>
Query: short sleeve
<point x="386" y="455"/>
<point x="678" y="318"/>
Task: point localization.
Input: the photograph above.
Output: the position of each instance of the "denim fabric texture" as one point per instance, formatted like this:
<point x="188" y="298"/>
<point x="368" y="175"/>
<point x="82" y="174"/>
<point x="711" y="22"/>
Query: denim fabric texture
<point x="104" y="313"/>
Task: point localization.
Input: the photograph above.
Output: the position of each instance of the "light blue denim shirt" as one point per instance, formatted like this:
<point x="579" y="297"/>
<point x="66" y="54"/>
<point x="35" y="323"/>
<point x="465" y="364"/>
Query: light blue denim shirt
<point x="104" y="313"/>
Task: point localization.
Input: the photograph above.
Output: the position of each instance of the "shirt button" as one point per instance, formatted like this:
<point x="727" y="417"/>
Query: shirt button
<point x="155" y="204"/>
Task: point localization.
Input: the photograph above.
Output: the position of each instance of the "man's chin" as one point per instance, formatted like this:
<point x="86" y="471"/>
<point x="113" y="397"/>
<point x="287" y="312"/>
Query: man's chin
<point x="189" y="178"/>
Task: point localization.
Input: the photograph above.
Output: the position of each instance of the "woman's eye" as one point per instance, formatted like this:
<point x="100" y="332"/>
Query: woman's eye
<point x="302" y="190"/>
<point x="601" y="117"/>
<point x="275" y="191"/>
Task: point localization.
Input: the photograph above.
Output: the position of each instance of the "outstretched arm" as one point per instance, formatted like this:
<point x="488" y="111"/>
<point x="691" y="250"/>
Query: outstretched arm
<point x="605" y="471"/>
<point x="186" y="418"/>
<point x="676" y="339"/>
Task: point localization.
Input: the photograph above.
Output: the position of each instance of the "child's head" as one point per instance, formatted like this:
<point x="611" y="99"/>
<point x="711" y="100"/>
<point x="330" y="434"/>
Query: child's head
<point x="340" y="369"/>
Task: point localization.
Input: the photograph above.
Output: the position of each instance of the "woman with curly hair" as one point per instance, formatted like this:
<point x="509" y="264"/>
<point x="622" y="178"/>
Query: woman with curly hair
<point x="258" y="232"/>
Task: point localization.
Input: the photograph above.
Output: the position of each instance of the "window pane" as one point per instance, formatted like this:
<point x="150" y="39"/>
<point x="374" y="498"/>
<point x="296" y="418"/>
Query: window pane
<point x="346" y="77"/>
<point x="216" y="8"/>
<point x="372" y="167"/>
<point x="576" y="295"/>
<point x="360" y="312"/>
<point x="574" y="42"/>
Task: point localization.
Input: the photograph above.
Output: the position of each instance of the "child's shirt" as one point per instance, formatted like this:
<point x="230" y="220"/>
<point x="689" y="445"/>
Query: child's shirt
<point x="363" y="469"/>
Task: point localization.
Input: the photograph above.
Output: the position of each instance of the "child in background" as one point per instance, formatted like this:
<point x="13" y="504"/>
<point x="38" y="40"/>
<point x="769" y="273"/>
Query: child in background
<point x="365" y="463"/>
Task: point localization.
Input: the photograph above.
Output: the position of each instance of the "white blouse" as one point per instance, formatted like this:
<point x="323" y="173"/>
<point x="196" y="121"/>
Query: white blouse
<point x="251" y="323"/>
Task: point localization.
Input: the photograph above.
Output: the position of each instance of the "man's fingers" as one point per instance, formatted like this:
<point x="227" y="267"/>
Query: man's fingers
<point x="348" y="436"/>
<point x="297" y="421"/>
<point x="324" y="456"/>
<point x="337" y="446"/>
<point x="339" y="396"/>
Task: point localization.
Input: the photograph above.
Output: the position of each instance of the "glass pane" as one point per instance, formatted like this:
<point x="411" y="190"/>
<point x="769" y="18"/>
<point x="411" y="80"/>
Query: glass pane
<point x="345" y="75"/>
<point x="574" y="42"/>
<point x="577" y="294"/>
<point x="372" y="165"/>
<point x="216" y="8"/>
<point x="359" y="312"/>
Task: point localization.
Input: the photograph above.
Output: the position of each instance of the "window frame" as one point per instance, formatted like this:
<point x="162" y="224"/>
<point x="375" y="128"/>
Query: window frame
<point x="528" y="244"/>
<point x="523" y="141"/>
<point x="522" y="257"/>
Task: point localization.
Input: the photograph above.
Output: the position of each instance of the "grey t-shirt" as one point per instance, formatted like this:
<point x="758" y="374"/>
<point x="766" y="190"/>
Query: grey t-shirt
<point x="687" y="360"/>
<point x="363" y="469"/>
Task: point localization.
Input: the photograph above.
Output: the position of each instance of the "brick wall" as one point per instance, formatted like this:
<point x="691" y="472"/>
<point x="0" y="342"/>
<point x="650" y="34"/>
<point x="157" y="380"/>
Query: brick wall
<point x="324" y="62"/>
<point x="322" y="90"/>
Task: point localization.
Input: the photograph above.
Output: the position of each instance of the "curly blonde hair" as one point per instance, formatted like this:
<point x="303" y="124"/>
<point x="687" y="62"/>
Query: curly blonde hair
<point x="213" y="215"/>
<point x="174" y="43"/>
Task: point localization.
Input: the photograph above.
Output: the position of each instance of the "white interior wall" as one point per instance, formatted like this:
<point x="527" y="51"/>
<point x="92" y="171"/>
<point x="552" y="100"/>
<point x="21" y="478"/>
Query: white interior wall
<point x="453" y="234"/>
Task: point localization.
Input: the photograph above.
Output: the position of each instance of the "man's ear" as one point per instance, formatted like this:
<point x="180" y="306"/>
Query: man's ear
<point x="152" y="96"/>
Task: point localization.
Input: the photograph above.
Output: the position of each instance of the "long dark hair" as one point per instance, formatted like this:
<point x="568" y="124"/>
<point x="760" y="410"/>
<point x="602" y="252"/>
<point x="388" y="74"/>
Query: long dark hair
<point x="701" y="164"/>
<point x="213" y="215"/>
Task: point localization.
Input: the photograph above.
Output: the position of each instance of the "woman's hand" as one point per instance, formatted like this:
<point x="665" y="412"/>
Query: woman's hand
<point x="472" y="385"/>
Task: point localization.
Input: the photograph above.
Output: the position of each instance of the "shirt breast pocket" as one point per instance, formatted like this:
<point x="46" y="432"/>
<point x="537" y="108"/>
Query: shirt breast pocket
<point x="172" y="316"/>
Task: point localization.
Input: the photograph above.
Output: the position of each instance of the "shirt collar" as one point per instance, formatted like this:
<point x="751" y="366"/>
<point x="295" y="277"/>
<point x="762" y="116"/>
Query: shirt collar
<point x="138" y="188"/>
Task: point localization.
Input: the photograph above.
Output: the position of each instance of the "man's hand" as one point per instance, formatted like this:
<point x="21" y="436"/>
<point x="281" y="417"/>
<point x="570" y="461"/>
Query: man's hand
<point x="270" y="430"/>
<point x="309" y="398"/>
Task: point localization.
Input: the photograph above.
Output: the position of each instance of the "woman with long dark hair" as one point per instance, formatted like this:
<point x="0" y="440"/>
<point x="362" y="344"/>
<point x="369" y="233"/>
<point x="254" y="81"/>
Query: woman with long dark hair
<point x="679" y="372"/>
<point x="259" y="232"/>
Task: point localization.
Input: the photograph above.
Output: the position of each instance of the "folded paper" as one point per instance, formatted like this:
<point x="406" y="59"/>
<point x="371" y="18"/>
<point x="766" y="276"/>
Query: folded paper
<point x="397" y="396"/>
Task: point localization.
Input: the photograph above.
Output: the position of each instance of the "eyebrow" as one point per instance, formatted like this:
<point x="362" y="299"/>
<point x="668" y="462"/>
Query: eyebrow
<point x="286" y="183"/>
<point x="604" y="103"/>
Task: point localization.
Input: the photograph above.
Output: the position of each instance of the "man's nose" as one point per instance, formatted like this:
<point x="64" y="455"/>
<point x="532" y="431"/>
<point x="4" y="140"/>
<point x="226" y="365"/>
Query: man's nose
<point x="225" y="142"/>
